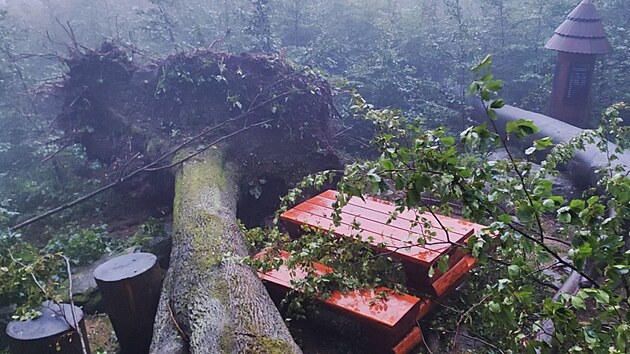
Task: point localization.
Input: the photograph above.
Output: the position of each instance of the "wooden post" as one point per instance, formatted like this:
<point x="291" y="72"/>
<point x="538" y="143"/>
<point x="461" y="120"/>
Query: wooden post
<point x="50" y="333"/>
<point x="130" y="286"/>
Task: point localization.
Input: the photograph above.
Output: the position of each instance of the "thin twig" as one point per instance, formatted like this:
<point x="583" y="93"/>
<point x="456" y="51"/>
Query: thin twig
<point x="462" y="317"/>
<point x="124" y="167"/>
<point x="518" y="172"/>
<point x="448" y="238"/>
<point x="63" y="147"/>
<point x="75" y="323"/>
<point x="39" y="285"/>
<point x="426" y="345"/>
<point x="342" y="132"/>
<point x="556" y="255"/>
<point x="179" y="329"/>
<point x="214" y="143"/>
<point x="476" y="339"/>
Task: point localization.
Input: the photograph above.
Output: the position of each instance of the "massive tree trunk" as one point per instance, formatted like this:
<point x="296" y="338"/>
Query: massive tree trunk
<point x="216" y="302"/>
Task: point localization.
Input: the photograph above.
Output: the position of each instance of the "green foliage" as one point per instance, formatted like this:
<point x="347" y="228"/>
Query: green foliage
<point x="407" y="54"/>
<point x="81" y="245"/>
<point x="30" y="276"/>
<point x="355" y="263"/>
<point x="147" y="231"/>
<point x="509" y="300"/>
<point x="27" y="276"/>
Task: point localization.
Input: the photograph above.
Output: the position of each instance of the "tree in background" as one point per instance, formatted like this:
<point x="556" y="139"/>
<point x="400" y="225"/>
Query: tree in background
<point x="260" y="25"/>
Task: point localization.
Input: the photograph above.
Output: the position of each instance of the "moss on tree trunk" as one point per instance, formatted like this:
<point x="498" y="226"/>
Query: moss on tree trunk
<point x="220" y="304"/>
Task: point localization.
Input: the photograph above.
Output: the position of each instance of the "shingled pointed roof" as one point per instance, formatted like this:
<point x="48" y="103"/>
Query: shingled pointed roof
<point x="582" y="32"/>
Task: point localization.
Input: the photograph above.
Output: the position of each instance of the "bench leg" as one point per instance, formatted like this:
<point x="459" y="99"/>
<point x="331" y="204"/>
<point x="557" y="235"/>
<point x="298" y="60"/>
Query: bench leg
<point x="407" y="344"/>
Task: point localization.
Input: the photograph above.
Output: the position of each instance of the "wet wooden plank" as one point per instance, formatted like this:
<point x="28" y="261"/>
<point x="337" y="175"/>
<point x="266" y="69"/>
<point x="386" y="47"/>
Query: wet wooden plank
<point x="393" y="218"/>
<point x="389" y="208"/>
<point x="409" y="343"/>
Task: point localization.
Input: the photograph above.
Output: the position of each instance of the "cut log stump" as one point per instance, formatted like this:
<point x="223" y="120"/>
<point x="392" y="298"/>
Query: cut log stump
<point x="50" y="333"/>
<point x="130" y="286"/>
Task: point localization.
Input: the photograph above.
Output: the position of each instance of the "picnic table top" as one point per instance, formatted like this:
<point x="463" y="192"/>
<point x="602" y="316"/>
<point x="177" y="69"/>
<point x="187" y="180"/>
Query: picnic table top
<point x="379" y="223"/>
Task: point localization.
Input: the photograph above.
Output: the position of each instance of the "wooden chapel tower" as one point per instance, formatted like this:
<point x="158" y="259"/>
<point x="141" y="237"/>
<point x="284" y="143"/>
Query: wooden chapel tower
<point x="578" y="41"/>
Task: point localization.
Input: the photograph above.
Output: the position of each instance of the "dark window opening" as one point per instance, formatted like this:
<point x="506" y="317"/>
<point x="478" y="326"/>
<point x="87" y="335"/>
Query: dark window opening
<point x="579" y="84"/>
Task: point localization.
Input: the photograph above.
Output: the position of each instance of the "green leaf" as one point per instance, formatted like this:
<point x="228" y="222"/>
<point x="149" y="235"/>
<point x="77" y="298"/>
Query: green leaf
<point x="578" y="301"/>
<point x="495" y="86"/>
<point x="513" y="270"/>
<point x="496" y="104"/>
<point x="373" y="177"/>
<point x="447" y="140"/>
<point x="577" y="205"/>
<point x="400" y="183"/>
<point x="505" y="218"/>
<point x="388" y="164"/>
<point x="592" y="200"/>
<point x="484" y="63"/>
<point x="494" y="307"/>
<point x="602" y="297"/>
<point x="443" y="264"/>
<point x="543" y="144"/>
<point x="526" y="212"/>
<point x="521" y="128"/>
<point x="413" y="197"/>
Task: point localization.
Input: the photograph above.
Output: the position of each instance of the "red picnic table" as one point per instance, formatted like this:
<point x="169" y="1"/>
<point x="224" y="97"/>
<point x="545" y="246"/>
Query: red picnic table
<point x="415" y="238"/>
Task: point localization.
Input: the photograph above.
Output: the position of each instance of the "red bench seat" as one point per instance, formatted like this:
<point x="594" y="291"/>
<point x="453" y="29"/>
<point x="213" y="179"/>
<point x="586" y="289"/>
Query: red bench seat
<point x="390" y="319"/>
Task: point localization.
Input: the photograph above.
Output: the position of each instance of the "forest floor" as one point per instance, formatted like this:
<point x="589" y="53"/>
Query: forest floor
<point x="101" y="334"/>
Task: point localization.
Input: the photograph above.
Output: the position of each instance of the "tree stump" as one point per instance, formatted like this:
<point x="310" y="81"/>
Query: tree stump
<point x="50" y="333"/>
<point x="130" y="286"/>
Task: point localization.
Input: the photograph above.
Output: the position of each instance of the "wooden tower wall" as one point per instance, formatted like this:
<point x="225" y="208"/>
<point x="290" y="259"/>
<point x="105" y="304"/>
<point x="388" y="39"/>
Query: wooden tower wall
<point x="571" y="92"/>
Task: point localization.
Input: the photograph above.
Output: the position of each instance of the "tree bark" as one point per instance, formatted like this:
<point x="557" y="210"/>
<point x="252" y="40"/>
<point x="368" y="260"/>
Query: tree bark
<point x="208" y="296"/>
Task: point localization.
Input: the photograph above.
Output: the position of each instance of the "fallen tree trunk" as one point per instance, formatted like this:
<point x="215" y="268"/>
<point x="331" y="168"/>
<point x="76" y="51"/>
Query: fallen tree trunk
<point x="211" y="303"/>
<point x="585" y="162"/>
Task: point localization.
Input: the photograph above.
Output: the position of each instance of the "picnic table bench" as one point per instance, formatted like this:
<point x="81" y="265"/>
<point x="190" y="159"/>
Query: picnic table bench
<point x="388" y="318"/>
<point x="417" y="239"/>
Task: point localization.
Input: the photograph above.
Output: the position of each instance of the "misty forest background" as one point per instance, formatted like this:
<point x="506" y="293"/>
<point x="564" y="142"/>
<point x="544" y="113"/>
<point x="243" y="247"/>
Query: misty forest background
<point x="414" y="55"/>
